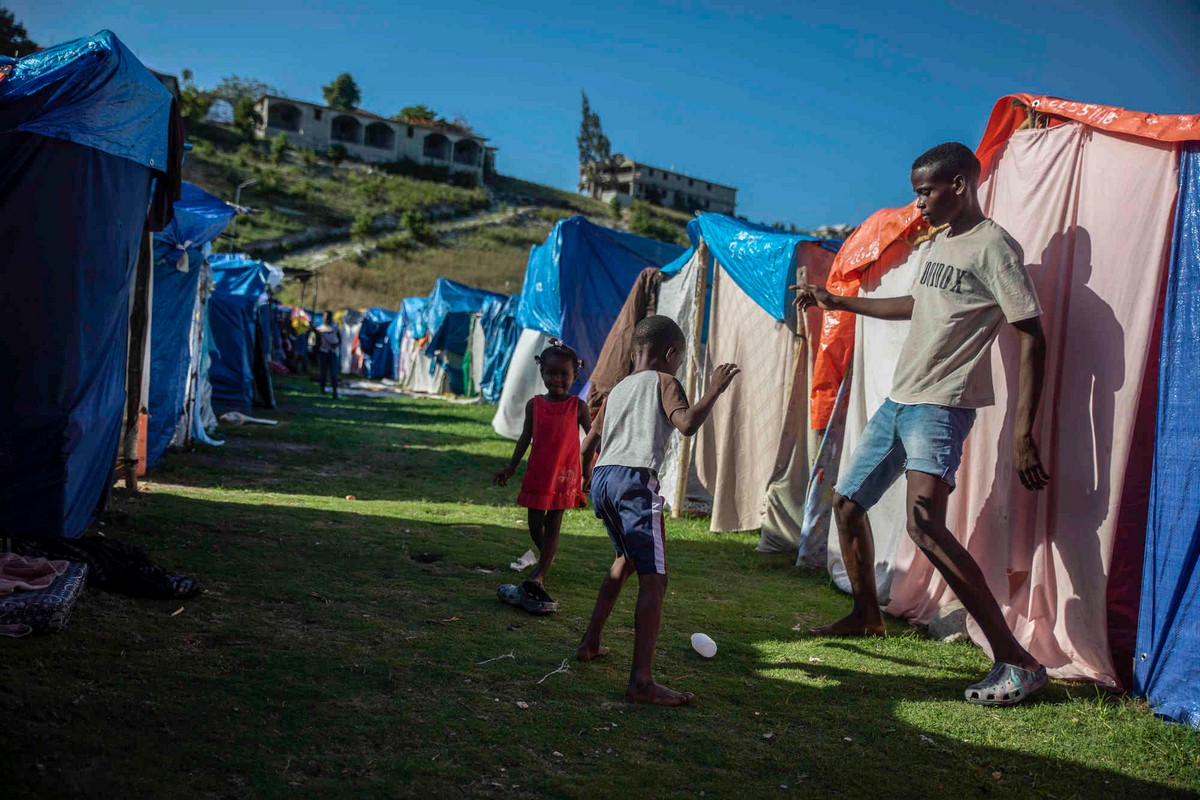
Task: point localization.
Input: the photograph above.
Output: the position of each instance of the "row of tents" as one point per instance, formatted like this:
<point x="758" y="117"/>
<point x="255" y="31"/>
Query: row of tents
<point x="1099" y="576"/>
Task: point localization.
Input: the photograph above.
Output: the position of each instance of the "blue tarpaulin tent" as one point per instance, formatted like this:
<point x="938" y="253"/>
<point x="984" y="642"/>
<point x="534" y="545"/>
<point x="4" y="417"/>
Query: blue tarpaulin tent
<point x="178" y="269"/>
<point x="502" y="332"/>
<point x="758" y="258"/>
<point x="578" y="279"/>
<point x="240" y="327"/>
<point x="84" y="127"/>
<point x="1167" y="667"/>
<point x="448" y="321"/>
<point x="408" y="321"/>
<point x="378" y="360"/>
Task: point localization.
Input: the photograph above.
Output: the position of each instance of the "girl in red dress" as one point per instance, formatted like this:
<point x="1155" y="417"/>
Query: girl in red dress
<point x="553" y="478"/>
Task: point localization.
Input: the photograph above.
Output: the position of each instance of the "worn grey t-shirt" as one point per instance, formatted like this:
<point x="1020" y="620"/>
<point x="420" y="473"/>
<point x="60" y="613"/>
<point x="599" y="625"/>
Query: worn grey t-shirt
<point x="636" y="420"/>
<point x="968" y="285"/>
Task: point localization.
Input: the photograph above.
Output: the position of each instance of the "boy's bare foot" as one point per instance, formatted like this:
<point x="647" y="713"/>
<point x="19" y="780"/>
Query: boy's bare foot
<point x="851" y="625"/>
<point x="587" y="652"/>
<point x="657" y="695"/>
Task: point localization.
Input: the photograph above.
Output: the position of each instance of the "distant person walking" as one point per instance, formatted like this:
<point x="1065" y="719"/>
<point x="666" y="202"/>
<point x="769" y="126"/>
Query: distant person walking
<point x="329" y="347"/>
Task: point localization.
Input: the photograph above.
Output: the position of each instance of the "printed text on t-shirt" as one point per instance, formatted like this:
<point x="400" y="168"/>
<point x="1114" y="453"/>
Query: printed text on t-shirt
<point x="943" y="276"/>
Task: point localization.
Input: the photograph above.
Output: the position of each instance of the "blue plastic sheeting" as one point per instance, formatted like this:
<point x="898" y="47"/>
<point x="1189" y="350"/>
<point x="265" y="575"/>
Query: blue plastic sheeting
<point x="447" y="315"/>
<point x="408" y="321"/>
<point x="92" y="92"/>
<point x="74" y="217"/>
<point x="758" y="258"/>
<point x="199" y="218"/>
<point x="577" y="281"/>
<point x="502" y="332"/>
<point x="1167" y="668"/>
<point x="233" y="313"/>
<point x="378" y="359"/>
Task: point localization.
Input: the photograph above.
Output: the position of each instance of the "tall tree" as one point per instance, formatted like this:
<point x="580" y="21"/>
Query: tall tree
<point x="14" y="39"/>
<point x="193" y="102"/>
<point x="595" y="152"/>
<point x="246" y="118"/>
<point x="343" y="93"/>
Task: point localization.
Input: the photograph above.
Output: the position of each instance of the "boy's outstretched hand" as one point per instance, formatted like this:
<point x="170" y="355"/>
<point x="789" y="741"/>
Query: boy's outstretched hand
<point x="723" y="376"/>
<point x="501" y="477"/>
<point x="810" y="295"/>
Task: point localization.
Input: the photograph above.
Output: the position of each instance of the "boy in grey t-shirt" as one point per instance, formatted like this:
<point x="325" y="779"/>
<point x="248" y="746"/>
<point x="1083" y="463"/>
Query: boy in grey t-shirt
<point x="973" y="280"/>
<point x="635" y="425"/>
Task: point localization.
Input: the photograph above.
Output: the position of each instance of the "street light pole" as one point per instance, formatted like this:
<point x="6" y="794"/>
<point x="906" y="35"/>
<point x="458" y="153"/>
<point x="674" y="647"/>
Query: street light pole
<point x="237" y="201"/>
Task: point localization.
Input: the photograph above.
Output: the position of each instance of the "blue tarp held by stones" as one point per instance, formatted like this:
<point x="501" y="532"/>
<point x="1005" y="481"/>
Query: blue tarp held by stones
<point x="83" y="127"/>
<point x="502" y="332"/>
<point x="239" y="283"/>
<point x="178" y="267"/>
<point x="1167" y="665"/>
<point x="577" y="281"/>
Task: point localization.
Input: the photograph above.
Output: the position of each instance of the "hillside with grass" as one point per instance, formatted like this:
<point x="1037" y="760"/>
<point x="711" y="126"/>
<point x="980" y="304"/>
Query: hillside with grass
<point x="372" y="238"/>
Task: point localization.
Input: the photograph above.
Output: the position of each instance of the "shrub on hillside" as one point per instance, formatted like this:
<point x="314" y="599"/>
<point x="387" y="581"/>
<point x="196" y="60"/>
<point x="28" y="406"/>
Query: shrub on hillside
<point x="337" y="153"/>
<point x="247" y="154"/>
<point x="360" y="228"/>
<point x="614" y="205"/>
<point x="643" y="222"/>
<point x="280" y="147"/>
<point x="418" y="227"/>
<point x="308" y="156"/>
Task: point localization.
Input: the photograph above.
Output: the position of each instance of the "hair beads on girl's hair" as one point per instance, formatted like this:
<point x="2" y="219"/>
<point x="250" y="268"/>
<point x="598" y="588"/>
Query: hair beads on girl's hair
<point x="559" y="348"/>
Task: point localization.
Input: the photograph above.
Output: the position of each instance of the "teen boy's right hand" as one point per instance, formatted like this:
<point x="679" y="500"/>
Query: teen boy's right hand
<point x="501" y="477"/>
<point x="723" y="376"/>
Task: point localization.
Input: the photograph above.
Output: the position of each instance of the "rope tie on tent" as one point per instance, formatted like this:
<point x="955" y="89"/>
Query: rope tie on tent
<point x="183" y="264"/>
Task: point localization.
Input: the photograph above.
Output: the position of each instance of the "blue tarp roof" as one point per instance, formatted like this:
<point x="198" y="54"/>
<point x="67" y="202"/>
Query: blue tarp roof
<point x="1167" y="672"/>
<point x="758" y="258"/>
<point x="199" y="218"/>
<point x="92" y="92"/>
<point x="84" y="123"/>
<point x="450" y="297"/>
<point x="577" y="281"/>
<point x="239" y="283"/>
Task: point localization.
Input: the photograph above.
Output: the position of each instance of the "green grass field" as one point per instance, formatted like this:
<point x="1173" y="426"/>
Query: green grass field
<point x="336" y="652"/>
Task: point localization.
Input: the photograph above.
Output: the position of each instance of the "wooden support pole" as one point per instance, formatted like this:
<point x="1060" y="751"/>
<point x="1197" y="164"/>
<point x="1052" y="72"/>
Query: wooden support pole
<point x="692" y="378"/>
<point x="136" y="375"/>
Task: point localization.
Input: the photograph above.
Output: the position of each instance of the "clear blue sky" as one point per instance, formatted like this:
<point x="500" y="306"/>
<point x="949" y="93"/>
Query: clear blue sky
<point x="815" y="115"/>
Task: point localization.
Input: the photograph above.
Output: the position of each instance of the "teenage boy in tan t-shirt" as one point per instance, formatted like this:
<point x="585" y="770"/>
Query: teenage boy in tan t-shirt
<point x="974" y="279"/>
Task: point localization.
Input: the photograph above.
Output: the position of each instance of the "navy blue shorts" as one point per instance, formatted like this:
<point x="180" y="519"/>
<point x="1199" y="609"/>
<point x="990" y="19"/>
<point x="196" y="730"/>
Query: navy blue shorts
<point x="627" y="500"/>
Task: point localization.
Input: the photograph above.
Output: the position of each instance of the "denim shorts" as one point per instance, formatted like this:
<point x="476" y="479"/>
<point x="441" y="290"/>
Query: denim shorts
<point x="898" y="438"/>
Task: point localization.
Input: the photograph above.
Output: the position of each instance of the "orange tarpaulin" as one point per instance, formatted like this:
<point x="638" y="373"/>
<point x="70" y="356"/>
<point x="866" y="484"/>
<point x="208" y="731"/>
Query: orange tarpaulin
<point x="890" y="225"/>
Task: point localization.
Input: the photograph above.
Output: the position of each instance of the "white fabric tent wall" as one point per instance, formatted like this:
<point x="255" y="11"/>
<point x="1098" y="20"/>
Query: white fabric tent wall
<point x="346" y="348"/>
<point x="736" y="450"/>
<point x="521" y="384"/>
<point x="876" y="351"/>
<point x="477" y="346"/>
<point x="677" y="300"/>
<point x="419" y="377"/>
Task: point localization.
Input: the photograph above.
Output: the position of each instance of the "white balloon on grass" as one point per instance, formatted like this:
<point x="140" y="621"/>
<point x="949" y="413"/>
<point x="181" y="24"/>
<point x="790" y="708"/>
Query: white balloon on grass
<point x="704" y="645"/>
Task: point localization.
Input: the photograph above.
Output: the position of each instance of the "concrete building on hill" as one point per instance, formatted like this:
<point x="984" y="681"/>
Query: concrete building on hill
<point x="371" y="137"/>
<point x="631" y="180"/>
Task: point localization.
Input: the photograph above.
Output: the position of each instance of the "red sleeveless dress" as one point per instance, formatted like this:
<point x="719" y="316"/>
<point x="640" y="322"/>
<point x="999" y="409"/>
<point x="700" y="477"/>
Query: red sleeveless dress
<point x="552" y="480"/>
